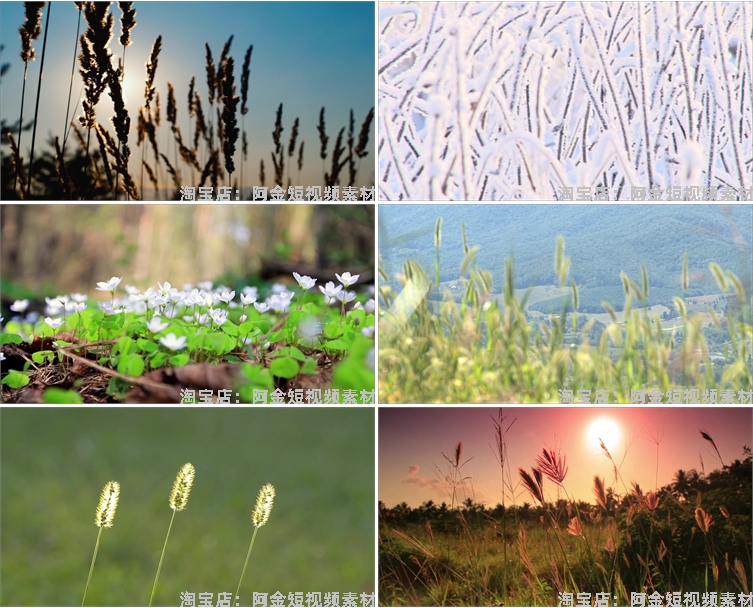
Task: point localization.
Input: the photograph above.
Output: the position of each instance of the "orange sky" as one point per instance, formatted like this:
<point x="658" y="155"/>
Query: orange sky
<point x="411" y="442"/>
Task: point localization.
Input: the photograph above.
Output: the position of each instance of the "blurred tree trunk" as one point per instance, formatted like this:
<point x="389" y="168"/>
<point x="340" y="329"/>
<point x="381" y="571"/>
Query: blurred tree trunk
<point x="68" y="248"/>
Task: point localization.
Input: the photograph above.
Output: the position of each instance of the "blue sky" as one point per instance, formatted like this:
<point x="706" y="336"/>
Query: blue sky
<point x="306" y="55"/>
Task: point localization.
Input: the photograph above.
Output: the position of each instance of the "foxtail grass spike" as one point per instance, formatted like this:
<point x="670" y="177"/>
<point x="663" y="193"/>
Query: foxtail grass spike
<point x="182" y="487"/>
<point x="259" y="517"/>
<point x="178" y="500"/>
<point x="263" y="507"/>
<point x="108" y="502"/>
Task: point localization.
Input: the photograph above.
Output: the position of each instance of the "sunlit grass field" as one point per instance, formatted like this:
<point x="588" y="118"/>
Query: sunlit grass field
<point x="690" y="536"/>
<point x="320" y="535"/>
<point x="484" y="349"/>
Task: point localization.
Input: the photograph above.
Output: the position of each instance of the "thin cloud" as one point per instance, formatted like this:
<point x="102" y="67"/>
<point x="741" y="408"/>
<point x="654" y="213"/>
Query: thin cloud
<point x="420" y="480"/>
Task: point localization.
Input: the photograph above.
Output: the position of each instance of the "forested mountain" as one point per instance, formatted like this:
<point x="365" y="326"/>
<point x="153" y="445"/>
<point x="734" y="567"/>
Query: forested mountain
<point x="601" y="240"/>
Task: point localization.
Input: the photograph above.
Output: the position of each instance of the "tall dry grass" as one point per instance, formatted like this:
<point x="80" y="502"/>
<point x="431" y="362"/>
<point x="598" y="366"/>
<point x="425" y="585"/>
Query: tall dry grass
<point x="215" y="151"/>
<point x="687" y="536"/>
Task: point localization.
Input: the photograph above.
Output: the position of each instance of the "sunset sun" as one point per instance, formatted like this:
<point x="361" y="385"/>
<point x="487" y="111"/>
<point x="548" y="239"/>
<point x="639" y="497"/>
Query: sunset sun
<point x="606" y="430"/>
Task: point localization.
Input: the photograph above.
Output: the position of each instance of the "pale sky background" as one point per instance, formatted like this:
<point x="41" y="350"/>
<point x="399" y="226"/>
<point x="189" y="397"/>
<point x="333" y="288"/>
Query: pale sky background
<point x="306" y="55"/>
<point x="411" y="442"/>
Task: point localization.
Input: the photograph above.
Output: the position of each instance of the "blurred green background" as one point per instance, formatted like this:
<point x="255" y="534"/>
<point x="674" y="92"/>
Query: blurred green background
<point x="55" y="462"/>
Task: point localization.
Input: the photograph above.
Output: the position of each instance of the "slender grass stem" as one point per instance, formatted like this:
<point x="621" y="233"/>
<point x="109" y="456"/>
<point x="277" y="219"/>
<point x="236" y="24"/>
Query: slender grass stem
<point x="245" y="565"/>
<point x="91" y="568"/>
<point x="39" y="91"/>
<point x="162" y="557"/>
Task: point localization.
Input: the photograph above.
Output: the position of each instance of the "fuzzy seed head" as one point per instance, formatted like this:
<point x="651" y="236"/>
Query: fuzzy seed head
<point x="108" y="502"/>
<point x="182" y="487"/>
<point x="263" y="507"/>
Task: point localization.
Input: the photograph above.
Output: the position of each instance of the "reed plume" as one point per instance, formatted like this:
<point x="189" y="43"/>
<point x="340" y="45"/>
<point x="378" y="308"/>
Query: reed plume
<point x="278" y="129"/>
<point x="221" y="66"/>
<point x="708" y="438"/>
<point x="276" y="134"/>
<point x="127" y="23"/>
<point x="330" y="179"/>
<point x="351" y="141"/>
<point x="172" y="108"/>
<point x="575" y="528"/>
<point x="293" y="138"/>
<point x="259" y="517"/>
<point x="262" y="177"/>
<point x="104" y="517"/>
<point x="534" y="486"/>
<point x="599" y="492"/>
<point x="151" y="71"/>
<point x="244" y="98"/>
<point x="323" y="139"/>
<point x="31" y="29"/>
<point x="201" y="127"/>
<point x="191" y="93"/>
<point x="552" y="464"/>
<point x="211" y="75"/>
<point x="704" y="520"/>
<point x="363" y="136"/>
<point x="177" y="501"/>
<point x="300" y="157"/>
<point x="244" y="79"/>
<point x="230" y="107"/>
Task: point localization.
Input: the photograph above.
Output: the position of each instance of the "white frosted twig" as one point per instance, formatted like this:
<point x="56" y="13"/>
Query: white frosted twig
<point x="642" y="78"/>
<point x="461" y="102"/>
<point x="728" y="89"/>
<point x="384" y="123"/>
<point x="607" y="76"/>
<point x="684" y="62"/>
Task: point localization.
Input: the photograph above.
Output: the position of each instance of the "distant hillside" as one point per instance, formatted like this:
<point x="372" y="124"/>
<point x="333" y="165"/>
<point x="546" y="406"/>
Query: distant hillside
<point x="601" y="240"/>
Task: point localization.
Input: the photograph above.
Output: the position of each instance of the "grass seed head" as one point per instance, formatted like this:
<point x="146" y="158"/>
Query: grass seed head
<point x="323" y="138"/>
<point x="263" y="507"/>
<point x="31" y="29"/>
<point x="704" y="520"/>
<point x="127" y="22"/>
<point x="108" y="502"/>
<point x="244" y="79"/>
<point x="229" y="110"/>
<point x="552" y="464"/>
<point x="182" y="487"/>
<point x="211" y="74"/>
<point x="151" y="71"/>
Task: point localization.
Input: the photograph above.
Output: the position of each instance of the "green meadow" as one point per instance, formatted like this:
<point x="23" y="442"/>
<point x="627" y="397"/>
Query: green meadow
<point x="55" y="462"/>
<point x="481" y="346"/>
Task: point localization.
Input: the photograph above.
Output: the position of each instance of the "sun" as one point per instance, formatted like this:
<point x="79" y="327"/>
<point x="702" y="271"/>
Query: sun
<point x="606" y="430"/>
